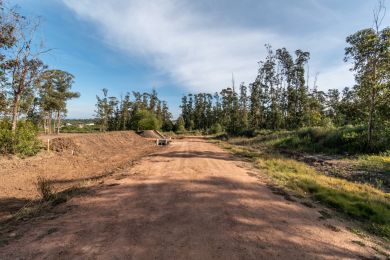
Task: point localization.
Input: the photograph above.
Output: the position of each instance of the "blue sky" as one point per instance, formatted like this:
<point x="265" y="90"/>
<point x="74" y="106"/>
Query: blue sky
<point x="180" y="46"/>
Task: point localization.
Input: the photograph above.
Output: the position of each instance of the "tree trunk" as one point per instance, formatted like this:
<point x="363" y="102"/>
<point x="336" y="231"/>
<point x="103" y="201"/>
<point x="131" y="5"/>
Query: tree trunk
<point x="15" y="111"/>
<point x="50" y="122"/>
<point x="370" y="117"/>
<point x="45" y="124"/>
<point x="58" y="121"/>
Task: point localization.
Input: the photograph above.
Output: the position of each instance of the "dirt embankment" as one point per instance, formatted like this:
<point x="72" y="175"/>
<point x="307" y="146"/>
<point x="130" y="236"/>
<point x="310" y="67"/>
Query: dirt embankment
<point x="152" y="134"/>
<point x="72" y="159"/>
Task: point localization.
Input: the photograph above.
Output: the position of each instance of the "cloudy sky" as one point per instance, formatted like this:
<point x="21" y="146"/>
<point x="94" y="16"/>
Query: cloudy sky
<point x="180" y="46"/>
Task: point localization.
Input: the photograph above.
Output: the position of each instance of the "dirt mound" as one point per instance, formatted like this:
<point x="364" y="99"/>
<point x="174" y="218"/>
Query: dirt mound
<point x="149" y="134"/>
<point x="72" y="159"/>
<point x="98" y="144"/>
<point x="62" y="144"/>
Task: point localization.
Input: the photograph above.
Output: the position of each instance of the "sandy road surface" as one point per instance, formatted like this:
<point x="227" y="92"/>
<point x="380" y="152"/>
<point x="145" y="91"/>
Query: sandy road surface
<point x="191" y="200"/>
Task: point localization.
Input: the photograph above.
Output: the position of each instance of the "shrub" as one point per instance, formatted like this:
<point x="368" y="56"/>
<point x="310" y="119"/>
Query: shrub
<point x="145" y="120"/>
<point x="249" y="133"/>
<point x="24" y="142"/>
<point x="45" y="189"/>
<point x="149" y="123"/>
<point x="6" y="138"/>
<point x="216" y="128"/>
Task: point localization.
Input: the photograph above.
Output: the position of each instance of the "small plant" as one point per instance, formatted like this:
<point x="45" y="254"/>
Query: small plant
<point x="45" y="189"/>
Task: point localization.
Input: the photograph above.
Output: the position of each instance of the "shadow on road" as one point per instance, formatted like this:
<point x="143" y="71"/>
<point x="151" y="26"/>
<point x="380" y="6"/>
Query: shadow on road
<point x="174" y="219"/>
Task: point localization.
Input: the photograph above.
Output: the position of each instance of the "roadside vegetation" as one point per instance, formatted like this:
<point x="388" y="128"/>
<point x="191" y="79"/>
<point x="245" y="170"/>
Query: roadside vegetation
<point x="361" y="202"/>
<point x="33" y="97"/>
<point x="342" y="140"/>
<point x="23" y="142"/>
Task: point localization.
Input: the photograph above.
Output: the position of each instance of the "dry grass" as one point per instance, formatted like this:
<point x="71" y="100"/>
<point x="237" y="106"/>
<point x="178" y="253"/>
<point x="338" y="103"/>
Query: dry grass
<point x="376" y="162"/>
<point x="45" y="189"/>
<point x="358" y="201"/>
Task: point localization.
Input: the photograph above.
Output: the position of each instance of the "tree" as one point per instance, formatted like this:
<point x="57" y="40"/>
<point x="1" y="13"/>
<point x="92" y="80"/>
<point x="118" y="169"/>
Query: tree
<point x="243" y="106"/>
<point x="166" y="117"/>
<point x="180" y="125"/>
<point x="22" y="61"/>
<point x="146" y="120"/>
<point x="125" y="106"/>
<point x="55" y="90"/>
<point x="369" y="51"/>
<point x="103" y="110"/>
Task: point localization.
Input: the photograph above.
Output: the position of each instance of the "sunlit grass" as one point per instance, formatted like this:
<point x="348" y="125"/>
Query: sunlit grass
<point x="358" y="201"/>
<point x="375" y="162"/>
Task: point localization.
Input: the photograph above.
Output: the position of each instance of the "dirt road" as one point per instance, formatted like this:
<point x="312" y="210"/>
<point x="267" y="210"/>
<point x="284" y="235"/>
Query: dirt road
<point x="191" y="200"/>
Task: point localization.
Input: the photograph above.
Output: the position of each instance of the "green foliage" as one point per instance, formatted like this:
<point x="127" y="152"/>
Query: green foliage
<point x="347" y="139"/>
<point x="6" y="138"/>
<point x="24" y="142"/>
<point x="369" y="51"/>
<point x="145" y="120"/>
<point x="376" y="163"/>
<point x="145" y="112"/>
<point x="216" y="128"/>
<point x="179" y="127"/>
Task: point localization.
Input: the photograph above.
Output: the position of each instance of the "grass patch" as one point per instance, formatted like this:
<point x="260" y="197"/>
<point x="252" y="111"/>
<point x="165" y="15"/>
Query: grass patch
<point x="379" y="163"/>
<point x="361" y="202"/>
<point x="341" y="140"/>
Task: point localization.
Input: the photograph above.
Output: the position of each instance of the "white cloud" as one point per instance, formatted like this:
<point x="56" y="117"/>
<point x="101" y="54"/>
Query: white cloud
<point x="186" y="44"/>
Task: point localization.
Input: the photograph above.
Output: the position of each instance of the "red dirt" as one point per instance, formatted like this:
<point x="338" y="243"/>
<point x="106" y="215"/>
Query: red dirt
<point x="150" y="134"/>
<point x="79" y="157"/>
<point x="192" y="200"/>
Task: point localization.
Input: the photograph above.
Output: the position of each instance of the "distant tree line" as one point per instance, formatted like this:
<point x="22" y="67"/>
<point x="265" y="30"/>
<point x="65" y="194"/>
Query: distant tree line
<point x="281" y="98"/>
<point x="136" y="111"/>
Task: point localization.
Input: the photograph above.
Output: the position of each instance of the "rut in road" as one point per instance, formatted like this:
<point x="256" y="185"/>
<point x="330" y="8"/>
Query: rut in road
<point x="192" y="200"/>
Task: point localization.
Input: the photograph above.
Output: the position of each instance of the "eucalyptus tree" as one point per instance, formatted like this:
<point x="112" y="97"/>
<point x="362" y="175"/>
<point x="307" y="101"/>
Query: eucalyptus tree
<point x="21" y="62"/>
<point x="55" y="91"/>
<point x="243" y="106"/>
<point x="103" y="110"/>
<point x="369" y="51"/>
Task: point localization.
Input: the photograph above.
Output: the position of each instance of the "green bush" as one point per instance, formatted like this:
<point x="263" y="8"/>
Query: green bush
<point x="26" y="139"/>
<point x="6" y="138"/>
<point x="145" y="120"/>
<point x="24" y="142"/>
<point x="216" y="128"/>
<point x="150" y="123"/>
